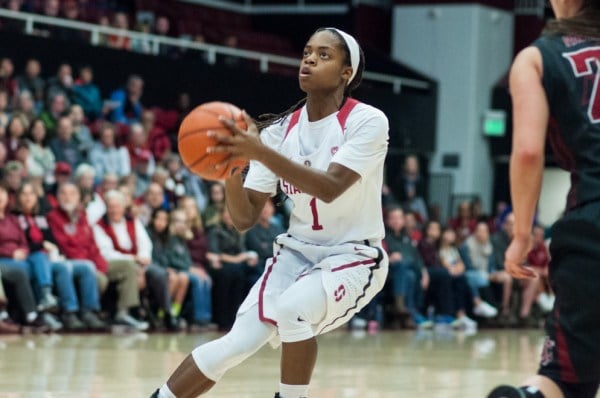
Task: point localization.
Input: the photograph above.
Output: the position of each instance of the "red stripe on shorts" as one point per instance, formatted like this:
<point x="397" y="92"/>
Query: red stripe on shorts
<point x="354" y="264"/>
<point x="263" y="285"/>
<point x="567" y="371"/>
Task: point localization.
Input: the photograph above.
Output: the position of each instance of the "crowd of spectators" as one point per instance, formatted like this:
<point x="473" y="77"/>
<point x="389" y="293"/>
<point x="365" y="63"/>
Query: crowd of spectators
<point x="100" y="223"/>
<point x="451" y="271"/>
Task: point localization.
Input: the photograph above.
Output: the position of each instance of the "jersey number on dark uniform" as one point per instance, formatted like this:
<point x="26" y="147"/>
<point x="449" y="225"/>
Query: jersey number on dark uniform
<point x="586" y="62"/>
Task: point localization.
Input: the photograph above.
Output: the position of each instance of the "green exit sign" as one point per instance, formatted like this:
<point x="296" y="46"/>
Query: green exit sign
<point x="494" y="123"/>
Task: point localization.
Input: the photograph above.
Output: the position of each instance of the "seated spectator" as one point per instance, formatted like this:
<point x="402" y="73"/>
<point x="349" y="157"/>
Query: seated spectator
<point x="3" y="159"/>
<point x="13" y="177"/>
<point x="412" y="228"/>
<point x="33" y="222"/>
<point x="7" y="325"/>
<point x="128" y="108"/>
<point x="120" y="42"/>
<point x="464" y="223"/>
<point x="228" y="260"/>
<point x="106" y="157"/>
<point x="14" y="25"/>
<point x="411" y="189"/>
<point x="38" y="151"/>
<point x="198" y="243"/>
<point x="15" y="131"/>
<point x="32" y="81"/>
<point x="539" y="259"/>
<point x="216" y="203"/>
<point x="176" y="257"/>
<point x="51" y="9"/>
<point x="529" y="287"/>
<point x="162" y="27"/>
<point x="407" y="273"/>
<point x="62" y="174"/>
<point x="71" y="12"/>
<point x="4" y="113"/>
<point x="56" y="109"/>
<point x="87" y="94"/>
<point x="477" y="253"/>
<point x="159" y="142"/>
<point x="7" y="79"/>
<point x="60" y="84"/>
<point x="259" y="239"/>
<point x="30" y="168"/>
<point x="138" y="148"/>
<point x="123" y="239"/>
<point x="453" y="264"/>
<point x="96" y="208"/>
<point x="14" y="252"/>
<point x="142" y="44"/>
<point x="75" y="239"/>
<point x="20" y="296"/>
<point x="153" y="199"/>
<point x="81" y="132"/>
<point x="26" y="106"/>
<point x="64" y="146"/>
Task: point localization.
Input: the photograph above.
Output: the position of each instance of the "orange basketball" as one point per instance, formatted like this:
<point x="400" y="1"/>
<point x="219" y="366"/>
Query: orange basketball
<point x="193" y="139"/>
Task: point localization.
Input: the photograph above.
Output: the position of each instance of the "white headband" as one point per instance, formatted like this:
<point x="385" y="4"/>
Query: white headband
<point x="354" y="51"/>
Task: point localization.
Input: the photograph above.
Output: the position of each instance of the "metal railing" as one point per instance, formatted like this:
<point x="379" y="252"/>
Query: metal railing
<point x="265" y="60"/>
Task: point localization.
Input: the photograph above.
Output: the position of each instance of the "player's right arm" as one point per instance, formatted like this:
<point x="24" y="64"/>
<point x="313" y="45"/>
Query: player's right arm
<point x="244" y="204"/>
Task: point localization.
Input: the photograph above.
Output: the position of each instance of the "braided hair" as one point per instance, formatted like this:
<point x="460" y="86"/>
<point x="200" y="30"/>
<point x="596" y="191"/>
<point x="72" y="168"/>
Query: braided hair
<point x="269" y="119"/>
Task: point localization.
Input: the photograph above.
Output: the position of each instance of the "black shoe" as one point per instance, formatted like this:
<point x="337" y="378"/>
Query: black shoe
<point x="72" y="323"/>
<point x="172" y="323"/>
<point x="276" y="395"/>
<point x="508" y="392"/>
<point x="155" y="394"/>
<point x="92" y="321"/>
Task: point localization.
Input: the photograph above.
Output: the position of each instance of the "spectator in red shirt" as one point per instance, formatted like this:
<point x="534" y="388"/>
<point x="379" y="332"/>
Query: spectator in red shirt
<point x="75" y="239"/>
<point x="7" y="80"/>
<point x="15" y="130"/>
<point x="463" y="224"/>
<point x="158" y="141"/>
<point x="139" y="150"/>
<point x="14" y="252"/>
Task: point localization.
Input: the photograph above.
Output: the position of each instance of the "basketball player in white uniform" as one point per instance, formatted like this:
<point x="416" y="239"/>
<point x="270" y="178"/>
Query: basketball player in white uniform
<point x="327" y="156"/>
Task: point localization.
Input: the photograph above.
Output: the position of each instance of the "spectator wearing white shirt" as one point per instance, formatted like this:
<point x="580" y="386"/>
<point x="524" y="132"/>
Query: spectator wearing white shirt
<point x="123" y="238"/>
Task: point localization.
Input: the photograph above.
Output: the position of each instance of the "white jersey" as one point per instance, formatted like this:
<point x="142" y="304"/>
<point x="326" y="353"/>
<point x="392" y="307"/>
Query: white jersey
<point x="356" y="137"/>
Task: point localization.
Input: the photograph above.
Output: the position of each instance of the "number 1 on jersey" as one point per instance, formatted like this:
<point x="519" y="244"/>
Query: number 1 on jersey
<point x="313" y="208"/>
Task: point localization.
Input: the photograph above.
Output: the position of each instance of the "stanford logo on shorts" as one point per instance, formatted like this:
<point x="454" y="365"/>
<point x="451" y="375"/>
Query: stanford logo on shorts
<point x="339" y="293"/>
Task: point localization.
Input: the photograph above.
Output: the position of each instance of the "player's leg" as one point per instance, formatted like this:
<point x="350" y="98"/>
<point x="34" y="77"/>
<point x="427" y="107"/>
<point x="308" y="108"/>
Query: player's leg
<point x="302" y="305"/>
<point x="205" y="366"/>
<point x="570" y="363"/>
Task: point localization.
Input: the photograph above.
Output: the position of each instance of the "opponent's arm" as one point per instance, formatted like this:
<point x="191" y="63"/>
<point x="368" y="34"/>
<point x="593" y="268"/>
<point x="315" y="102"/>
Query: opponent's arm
<point x="530" y="122"/>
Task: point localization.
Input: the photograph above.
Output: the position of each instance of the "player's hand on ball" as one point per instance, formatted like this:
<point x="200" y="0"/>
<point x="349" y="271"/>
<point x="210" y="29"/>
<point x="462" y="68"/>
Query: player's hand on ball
<point x="241" y="144"/>
<point x="515" y="256"/>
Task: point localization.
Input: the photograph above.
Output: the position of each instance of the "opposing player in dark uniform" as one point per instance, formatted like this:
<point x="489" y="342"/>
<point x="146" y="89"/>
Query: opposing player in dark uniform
<point x="558" y="79"/>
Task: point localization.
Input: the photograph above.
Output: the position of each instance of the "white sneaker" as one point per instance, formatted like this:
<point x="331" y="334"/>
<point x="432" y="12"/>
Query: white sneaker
<point x="464" y="322"/>
<point x="485" y="310"/>
<point x="128" y="320"/>
<point x="546" y="302"/>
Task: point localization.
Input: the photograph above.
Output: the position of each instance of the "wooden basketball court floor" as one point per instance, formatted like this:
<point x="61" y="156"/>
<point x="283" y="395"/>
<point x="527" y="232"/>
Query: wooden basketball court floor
<point x="431" y="364"/>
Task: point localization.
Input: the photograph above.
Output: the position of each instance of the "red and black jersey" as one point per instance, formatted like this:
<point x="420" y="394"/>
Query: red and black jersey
<point x="571" y="79"/>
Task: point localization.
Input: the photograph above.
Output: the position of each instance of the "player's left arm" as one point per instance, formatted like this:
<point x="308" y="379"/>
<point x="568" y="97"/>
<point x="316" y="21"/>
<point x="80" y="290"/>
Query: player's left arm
<point x="324" y="185"/>
<point x="530" y="123"/>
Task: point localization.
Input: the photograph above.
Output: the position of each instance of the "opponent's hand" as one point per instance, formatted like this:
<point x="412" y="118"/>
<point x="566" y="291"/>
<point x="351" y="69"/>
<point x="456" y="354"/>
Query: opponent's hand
<point x="515" y="256"/>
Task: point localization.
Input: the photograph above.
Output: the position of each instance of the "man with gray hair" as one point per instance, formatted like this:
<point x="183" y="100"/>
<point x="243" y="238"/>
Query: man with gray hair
<point x="123" y="239"/>
<point x="75" y="239"/>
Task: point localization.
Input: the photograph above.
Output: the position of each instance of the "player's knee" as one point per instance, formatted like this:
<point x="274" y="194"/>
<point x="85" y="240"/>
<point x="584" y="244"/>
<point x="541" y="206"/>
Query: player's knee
<point x="294" y="323"/>
<point x="218" y="356"/>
